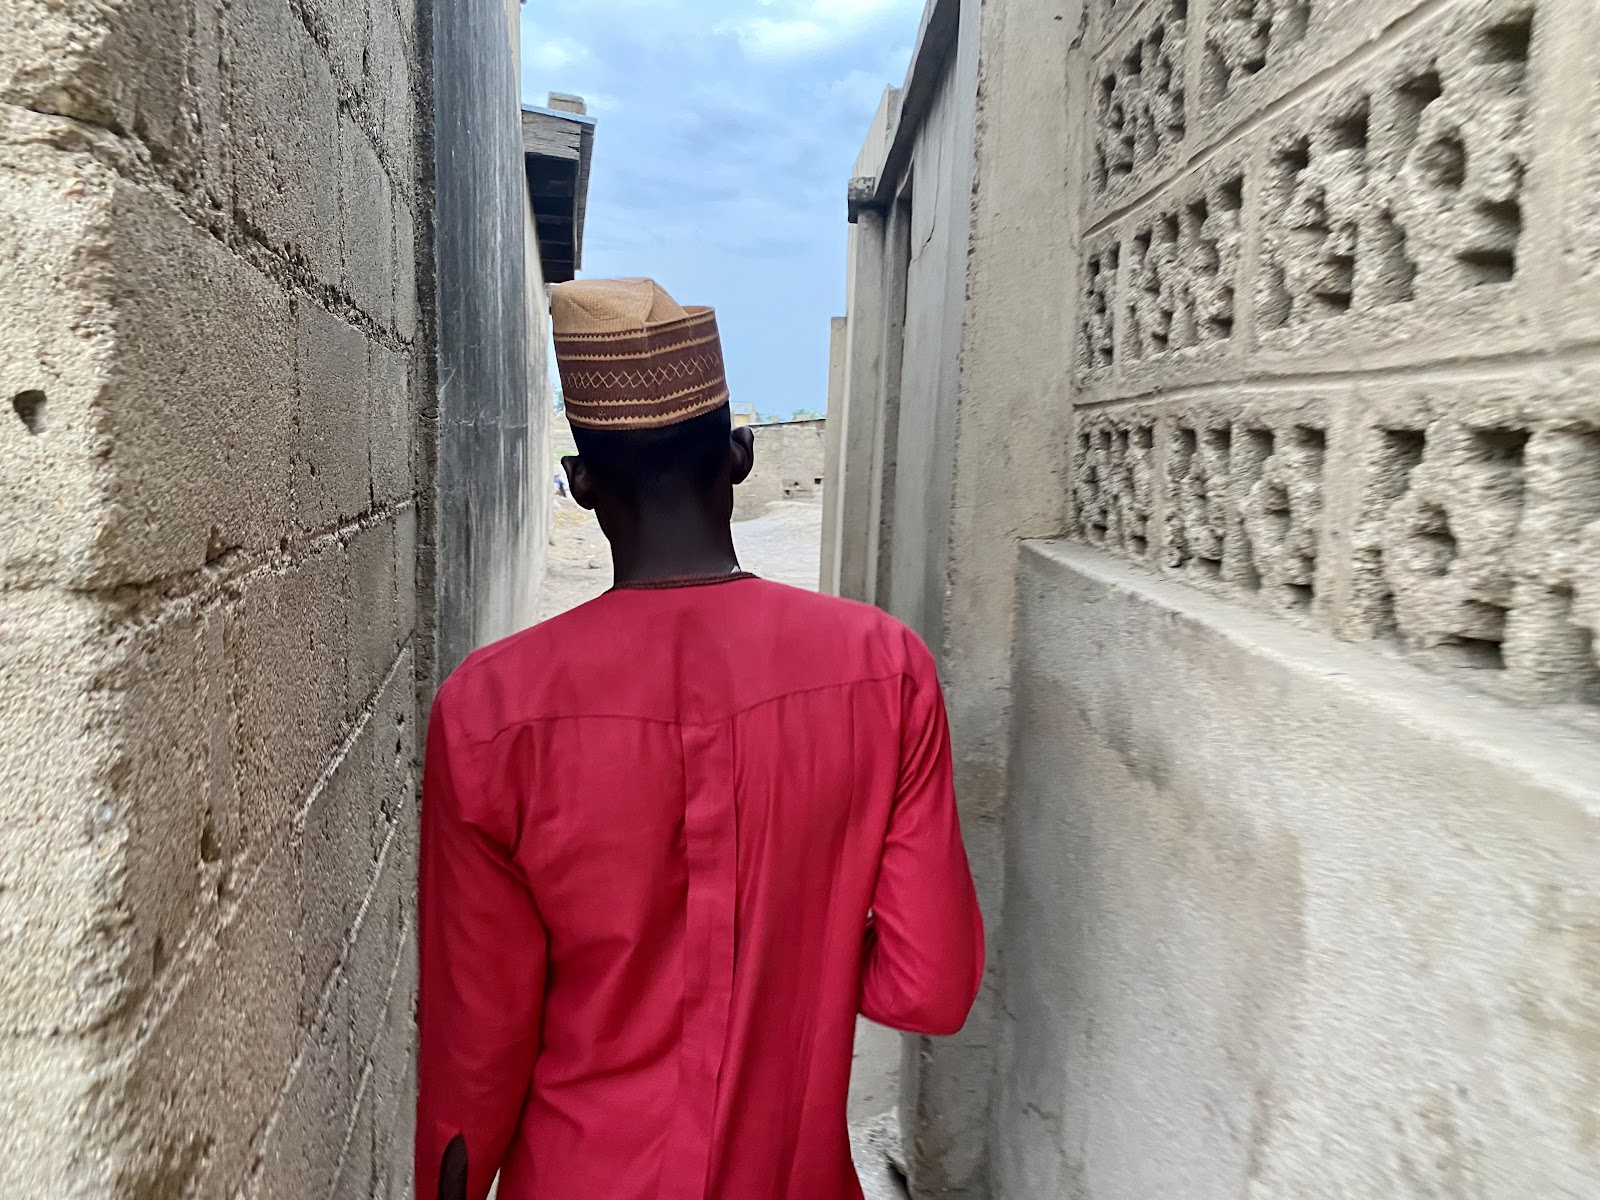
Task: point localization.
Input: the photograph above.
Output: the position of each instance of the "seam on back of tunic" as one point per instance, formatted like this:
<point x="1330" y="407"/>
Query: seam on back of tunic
<point x="524" y="722"/>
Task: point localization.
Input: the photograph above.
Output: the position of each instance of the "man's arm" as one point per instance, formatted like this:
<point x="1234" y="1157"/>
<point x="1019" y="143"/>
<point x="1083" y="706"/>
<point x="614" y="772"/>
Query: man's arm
<point x="482" y="969"/>
<point x="924" y="944"/>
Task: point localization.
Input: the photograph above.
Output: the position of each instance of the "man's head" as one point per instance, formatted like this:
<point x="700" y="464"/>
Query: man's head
<point x="695" y="462"/>
<point x="647" y="398"/>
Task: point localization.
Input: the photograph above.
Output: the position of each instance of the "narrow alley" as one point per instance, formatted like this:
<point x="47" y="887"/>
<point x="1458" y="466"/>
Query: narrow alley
<point x="1211" y="386"/>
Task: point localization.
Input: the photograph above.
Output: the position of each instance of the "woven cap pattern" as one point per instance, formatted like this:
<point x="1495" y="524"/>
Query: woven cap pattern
<point x="632" y="358"/>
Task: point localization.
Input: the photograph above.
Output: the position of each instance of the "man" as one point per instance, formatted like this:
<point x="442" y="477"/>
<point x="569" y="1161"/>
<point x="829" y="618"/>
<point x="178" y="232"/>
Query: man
<point x="676" y="839"/>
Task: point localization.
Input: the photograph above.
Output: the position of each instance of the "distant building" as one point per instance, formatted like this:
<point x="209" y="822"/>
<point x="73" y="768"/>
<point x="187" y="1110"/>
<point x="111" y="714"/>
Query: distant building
<point x="557" y="146"/>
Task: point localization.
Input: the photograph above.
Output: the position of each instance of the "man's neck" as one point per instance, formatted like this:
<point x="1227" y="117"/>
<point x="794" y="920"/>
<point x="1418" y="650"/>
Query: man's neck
<point x="676" y="543"/>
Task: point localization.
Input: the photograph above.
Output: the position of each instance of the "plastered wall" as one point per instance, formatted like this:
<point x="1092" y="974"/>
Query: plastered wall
<point x="209" y="500"/>
<point x="1302" y="832"/>
<point x="1280" y="773"/>
<point x="490" y="425"/>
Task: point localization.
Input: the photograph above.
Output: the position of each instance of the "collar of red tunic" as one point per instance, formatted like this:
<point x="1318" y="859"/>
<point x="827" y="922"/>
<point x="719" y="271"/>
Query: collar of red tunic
<point x="681" y="581"/>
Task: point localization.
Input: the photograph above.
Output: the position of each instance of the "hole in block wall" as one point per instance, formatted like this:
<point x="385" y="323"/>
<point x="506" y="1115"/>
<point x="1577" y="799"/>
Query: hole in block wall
<point x="1403" y="450"/>
<point x="1583" y="654"/>
<point x="1506" y="446"/>
<point x="1257" y="448"/>
<point x="1394" y="274"/>
<point x="1275" y="506"/>
<point x="1293" y="18"/>
<point x="1443" y="162"/>
<point x="1216" y="79"/>
<point x="210" y="843"/>
<point x="1276" y="303"/>
<point x="1349" y="132"/>
<point x="1301" y="596"/>
<point x="1508" y="42"/>
<point x="1413" y="97"/>
<point x="1230" y="195"/>
<point x="1220" y="326"/>
<point x="1435" y="542"/>
<point x="1293" y="161"/>
<point x="1493" y="256"/>
<point x="29" y="407"/>
<point x="1476" y="654"/>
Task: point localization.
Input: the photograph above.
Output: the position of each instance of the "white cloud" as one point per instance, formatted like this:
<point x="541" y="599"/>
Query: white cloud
<point x="552" y="52"/>
<point x="601" y="104"/>
<point x="805" y="28"/>
<point x="857" y="91"/>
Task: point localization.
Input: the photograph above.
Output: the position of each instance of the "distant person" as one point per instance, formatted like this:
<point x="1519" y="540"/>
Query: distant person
<point x="675" y="840"/>
<point x="561" y="486"/>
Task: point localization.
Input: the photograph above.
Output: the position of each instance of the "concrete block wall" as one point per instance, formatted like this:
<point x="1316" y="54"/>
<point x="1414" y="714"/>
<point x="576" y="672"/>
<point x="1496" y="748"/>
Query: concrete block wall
<point x="1302" y="784"/>
<point x="790" y="461"/>
<point x="209" y="529"/>
<point x="1335" y="324"/>
<point x="1284" y="314"/>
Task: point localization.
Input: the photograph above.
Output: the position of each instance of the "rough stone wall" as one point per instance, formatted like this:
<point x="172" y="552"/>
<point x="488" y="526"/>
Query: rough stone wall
<point x="208" y="619"/>
<point x="1337" y="307"/>
<point x="790" y="461"/>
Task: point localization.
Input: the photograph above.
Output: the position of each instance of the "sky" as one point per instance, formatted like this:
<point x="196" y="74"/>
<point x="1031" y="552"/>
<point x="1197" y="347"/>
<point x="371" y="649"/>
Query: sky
<point x="726" y="134"/>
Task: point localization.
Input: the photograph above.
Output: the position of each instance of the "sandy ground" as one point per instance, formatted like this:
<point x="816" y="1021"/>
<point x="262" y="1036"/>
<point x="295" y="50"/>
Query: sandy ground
<point x="783" y="544"/>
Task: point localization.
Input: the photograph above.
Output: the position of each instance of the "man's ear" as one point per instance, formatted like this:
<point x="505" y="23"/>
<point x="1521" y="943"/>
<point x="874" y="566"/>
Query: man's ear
<point x="744" y="453"/>
<point x="579" y="482"/>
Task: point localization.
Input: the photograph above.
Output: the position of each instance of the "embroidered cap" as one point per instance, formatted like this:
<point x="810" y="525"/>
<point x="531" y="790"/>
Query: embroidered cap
<point x="631" y="357"/>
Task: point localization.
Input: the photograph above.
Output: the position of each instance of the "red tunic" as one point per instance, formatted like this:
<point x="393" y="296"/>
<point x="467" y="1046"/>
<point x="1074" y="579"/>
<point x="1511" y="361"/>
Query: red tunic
<point x="673" y="842"/>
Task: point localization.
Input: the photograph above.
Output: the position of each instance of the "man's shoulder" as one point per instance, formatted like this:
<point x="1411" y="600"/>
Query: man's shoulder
<point x="519" y="660"/>
<point x="834" y="612"/>
<point x="837" y="626"/>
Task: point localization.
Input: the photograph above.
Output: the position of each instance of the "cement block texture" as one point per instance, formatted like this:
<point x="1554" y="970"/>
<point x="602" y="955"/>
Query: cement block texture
<point x="209" y="532"/>
<point x="790" y="462"/>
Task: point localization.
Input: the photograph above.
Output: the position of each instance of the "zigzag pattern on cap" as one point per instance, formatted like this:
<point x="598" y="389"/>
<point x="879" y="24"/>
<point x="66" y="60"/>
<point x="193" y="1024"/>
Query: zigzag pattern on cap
<point x="638" y="378"/>
<point x="703" y="367"/>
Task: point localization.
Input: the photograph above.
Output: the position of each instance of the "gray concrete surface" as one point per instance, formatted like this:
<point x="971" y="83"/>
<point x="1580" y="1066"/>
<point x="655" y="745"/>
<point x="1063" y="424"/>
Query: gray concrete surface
<point x="494" y="396"/>
<point x="1304" y="372"/>
<point x="1299" y="921"/>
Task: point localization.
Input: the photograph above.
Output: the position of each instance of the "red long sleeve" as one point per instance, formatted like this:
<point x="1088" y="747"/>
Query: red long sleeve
<point x="653" y="828"/>
<point x="924" y="948"/>
<point x="482" y="966"/>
